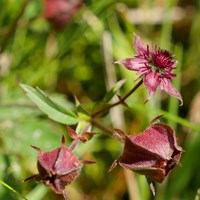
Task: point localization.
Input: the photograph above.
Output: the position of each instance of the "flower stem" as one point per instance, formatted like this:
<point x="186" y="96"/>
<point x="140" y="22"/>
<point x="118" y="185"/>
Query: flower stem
<point x="103" y="128"/>
<point x="121" y="100"/>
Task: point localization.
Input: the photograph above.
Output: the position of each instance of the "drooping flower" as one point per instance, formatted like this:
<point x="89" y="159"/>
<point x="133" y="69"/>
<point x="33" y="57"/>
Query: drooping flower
<point x="57" y="168"/>
<point x="152" y="153"/>
<point x="60" y="12"/>
<point x="155" y="66"/>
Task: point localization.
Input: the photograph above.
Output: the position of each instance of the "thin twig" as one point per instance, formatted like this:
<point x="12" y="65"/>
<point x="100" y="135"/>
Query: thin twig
<point x="121" y="100"/>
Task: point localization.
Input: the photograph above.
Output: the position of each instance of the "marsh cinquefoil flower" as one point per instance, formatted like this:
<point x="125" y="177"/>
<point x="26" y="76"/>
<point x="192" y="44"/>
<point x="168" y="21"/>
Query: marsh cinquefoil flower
<point x="155" y="67"/>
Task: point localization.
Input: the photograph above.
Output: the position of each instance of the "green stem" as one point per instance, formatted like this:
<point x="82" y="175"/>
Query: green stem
<point x="121" y="100"/>
<point x="101" y="127"/>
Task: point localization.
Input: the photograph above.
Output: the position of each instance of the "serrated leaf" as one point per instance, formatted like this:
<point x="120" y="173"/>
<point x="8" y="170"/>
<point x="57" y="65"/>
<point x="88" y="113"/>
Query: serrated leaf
<point x="53" y="110"/>
<point x="109" y="95"/>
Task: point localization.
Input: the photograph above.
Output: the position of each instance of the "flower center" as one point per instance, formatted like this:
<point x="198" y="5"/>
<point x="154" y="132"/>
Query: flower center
<point x="162" y="60"/>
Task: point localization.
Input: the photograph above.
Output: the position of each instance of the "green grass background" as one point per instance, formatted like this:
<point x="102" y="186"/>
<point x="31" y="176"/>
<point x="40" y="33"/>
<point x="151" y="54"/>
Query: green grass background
<point x="72" y="62"/>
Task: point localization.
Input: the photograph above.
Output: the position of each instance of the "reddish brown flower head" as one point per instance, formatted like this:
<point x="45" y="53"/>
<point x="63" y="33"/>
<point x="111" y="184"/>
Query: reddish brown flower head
<point x="152" y="153"/>
<point x="57" y="168"/>
<point x="60" y="12"/>
<point x="155" y="66"/>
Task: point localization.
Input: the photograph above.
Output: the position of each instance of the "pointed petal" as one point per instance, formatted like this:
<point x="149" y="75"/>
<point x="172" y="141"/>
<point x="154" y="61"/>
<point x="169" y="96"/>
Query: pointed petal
<point x="166" y="85"/>
<point x="151" y="82"/>
<point x="139" y="46"/>
<point x="66" y="162"/>
<point x="137" y="158"/>
<point x="133" y="63"/>
<point x="47" y="160"/>
<point x="158" y="139"/>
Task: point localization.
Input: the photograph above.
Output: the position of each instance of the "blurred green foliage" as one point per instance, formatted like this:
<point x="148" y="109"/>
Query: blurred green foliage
<point x="72" y="63"/>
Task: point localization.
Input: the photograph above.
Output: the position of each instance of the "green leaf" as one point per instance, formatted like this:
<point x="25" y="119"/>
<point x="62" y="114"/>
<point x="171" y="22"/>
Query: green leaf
<point x="53" y="110"/>
<point x="109" y="95"/>
<point x="13" y="190"/>
<point x="82" y="113"/>
<point x="38" y="192"/>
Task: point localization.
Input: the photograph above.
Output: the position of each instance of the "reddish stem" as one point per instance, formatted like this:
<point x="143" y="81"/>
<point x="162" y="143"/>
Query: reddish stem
<point x="121" y="100"/>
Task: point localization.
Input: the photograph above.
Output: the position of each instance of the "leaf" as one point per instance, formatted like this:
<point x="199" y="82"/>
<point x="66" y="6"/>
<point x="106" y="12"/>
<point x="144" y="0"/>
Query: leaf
<point x="12" y="189"/>
<point x="39" y="192"/>
<point x="53" y="110"/>
<point x="109" y="95"/>
<point x="82" y="113"/>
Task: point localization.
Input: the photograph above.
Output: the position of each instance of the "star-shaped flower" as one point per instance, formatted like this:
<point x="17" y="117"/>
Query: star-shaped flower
<point x="155" y="66"/>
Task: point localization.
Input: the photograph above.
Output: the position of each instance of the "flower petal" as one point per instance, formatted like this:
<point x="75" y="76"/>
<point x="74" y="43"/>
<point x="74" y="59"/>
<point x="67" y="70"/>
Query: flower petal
<point x="139" y="46"/>
<point x="47" y="160"/>
<point x="166" y="85"/>
<point x="66" y="162"/>
<point x="135" y="64"/>
<point x="159" y="139"/>
<point x="151" y="82"/>
<point x="136" y="157"/>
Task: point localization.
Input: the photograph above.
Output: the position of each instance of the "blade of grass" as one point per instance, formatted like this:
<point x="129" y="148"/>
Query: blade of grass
<point x="173" y="103"/>
<point x="38" y="193"/>
<point x="166" y="31"/>
<point x="12" y="189"/>
<point x="167" y="115"/>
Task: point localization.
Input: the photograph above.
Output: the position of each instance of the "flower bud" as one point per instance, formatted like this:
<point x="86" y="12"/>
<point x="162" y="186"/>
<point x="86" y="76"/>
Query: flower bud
<point x="57" y="168"/>
<point x="60" y="12"/>
<point x="152" y="153"/>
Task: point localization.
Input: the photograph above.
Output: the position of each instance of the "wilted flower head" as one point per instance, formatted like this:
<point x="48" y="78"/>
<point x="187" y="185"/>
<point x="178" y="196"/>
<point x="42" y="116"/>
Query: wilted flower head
<point x="60" y="12"/>
<point x="152" y="153"/>
<point x="57" y="168"/>
<point x="155" y="67"/>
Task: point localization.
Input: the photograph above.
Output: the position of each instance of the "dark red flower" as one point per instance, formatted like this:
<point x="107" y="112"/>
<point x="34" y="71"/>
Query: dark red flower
<point x="155" y="67"/>
<point x="60" y="12"/>
<point x="57" y="168"/>
<point x="152" y="153"/>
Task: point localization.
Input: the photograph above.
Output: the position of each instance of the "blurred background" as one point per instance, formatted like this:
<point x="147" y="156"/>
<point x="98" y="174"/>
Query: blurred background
<point x="67" y="49"/>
